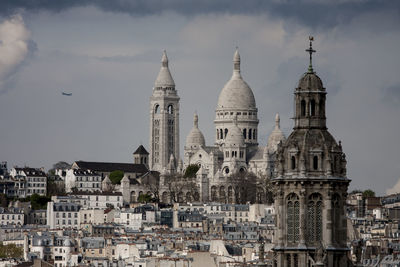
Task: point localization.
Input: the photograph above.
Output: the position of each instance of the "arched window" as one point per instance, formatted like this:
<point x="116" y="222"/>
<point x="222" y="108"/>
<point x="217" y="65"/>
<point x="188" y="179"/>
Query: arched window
<point x="315" y="162"/>
<point x="250" y="133"/>
<point x="217" y="134"/>
<point x="303" y="107"/>
<point x="170" y="109"/>
<point x="244" y="133"/>
<point x="226" y="132"/>
<point x="312" y="107"/>
<point x="213" y="193"/>
<point x="293" y="218"/>
<point x="314" y="218"/>
<point x="255" y="134"/>
<point x="222" y="194"/>
<point x="221" y="134"/>
<point x="293" y="162"/>
<point x="157" y="109"/>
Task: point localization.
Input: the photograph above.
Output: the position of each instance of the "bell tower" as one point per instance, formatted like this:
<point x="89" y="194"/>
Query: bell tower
<point x="311" y="185"/>
<point x="164" y="119"/>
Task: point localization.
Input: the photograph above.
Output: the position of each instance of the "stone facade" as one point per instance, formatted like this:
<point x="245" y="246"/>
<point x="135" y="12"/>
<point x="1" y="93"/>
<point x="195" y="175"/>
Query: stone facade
<point x="311" y="186"/>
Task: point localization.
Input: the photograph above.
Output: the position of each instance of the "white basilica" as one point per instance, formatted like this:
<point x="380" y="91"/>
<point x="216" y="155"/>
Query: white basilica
<point x="235" y="148"/>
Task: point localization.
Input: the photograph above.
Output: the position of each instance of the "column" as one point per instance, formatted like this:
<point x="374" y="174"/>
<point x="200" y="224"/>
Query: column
<point x="328" y="219"/>
<point x="302" y="218"/>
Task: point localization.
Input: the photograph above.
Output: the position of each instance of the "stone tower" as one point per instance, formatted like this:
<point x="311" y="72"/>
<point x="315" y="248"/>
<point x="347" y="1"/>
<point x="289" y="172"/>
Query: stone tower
<point x="164" y="120"/>
<point x="311" y="185"/>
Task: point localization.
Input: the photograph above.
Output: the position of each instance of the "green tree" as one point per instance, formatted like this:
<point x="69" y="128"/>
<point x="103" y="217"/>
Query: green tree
<point x="116" y="176"/>
<point x="3" y="201"/>
<point x="368" y="193"/>
<point x="145" y="198"/>
<point x="11" y="251"/>
<point x="191" y="171"/>
<point x="39" y="202"/>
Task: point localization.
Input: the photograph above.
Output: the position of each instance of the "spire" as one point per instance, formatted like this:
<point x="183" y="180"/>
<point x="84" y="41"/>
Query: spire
<point x="277" y="121"/>
<point x="310" y="50"/>
<point x="164" y="59"/>
<point x="196" y="120"/>
<point x="236" y="62"/>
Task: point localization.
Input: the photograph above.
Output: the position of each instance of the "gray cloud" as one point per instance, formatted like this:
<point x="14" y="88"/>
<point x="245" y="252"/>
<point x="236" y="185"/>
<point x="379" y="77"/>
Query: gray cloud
<point x="391" y="95"/>
<point x="16" y="46"/>
<point x="316" y="14"/>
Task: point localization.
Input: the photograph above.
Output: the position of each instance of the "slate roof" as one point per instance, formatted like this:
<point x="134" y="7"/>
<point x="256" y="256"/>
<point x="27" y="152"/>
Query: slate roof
<point x="31" y="171"/>
<point x="111" y="166"/>
<point x="141" y="150"/>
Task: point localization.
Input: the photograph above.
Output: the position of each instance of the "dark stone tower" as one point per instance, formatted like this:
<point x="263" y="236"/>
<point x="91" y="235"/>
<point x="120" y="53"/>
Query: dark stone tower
<point x="311" y="185"/>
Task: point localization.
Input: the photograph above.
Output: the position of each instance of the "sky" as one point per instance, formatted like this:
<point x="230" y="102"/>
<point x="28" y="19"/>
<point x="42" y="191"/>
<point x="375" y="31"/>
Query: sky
<point x="107" y="54"/>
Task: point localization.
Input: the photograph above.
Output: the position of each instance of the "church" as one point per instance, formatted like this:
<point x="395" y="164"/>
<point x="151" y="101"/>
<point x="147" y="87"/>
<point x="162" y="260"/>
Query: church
<point x="235" y="150"/>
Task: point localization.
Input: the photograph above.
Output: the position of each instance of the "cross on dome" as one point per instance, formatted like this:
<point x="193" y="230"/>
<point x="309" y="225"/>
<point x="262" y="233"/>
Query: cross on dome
<point x="310" y="50"/>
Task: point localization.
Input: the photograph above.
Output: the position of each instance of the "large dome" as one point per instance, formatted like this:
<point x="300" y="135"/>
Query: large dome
<point x="236" y="93"/>
<point x="195" y="137"/>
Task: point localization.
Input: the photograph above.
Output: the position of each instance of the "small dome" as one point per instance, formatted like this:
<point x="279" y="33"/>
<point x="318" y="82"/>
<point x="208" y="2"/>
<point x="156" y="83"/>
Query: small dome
<point x="235" y="135"/>
<point x="236" y="93"/>
<point x="310" y="82"/>
<point x="276" y="136"/>
<point x="164" y="78"/>
<point x="195" y="137"/>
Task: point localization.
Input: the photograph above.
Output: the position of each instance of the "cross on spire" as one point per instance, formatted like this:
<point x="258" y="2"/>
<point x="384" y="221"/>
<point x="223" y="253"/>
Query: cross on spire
<point x="310" y="50"/>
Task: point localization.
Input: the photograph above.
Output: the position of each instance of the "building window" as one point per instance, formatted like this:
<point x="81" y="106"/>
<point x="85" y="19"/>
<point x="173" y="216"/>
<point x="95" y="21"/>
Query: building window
<point x="293" y="218"/>
<point x="293" y="162"/>
<point x="170" y="109"/>
<point x="250" y="133"/>
<point x="315" y="162"/>
<point x="226" y="132"/>
<point x="314" y="218"/>
<point x="157" y="109"/>
<point x="303" y="107"/>
<point x="244" y="133"/>
<point x="312" y="107"/>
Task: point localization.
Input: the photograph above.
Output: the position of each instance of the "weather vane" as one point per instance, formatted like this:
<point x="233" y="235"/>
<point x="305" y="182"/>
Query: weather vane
<point x="311" y="51"/>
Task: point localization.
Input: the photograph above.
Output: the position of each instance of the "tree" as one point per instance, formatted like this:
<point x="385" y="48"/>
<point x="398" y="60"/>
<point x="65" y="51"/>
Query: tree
<point x="53" y="188"/>
<point x="116" y="176"/>
<point x="248" y="187"/>
<point x="59" y="165"/>
<point x="152" y="183"/>
<point x="11" y="251"/>
<point x="368" y="193"/>
<point x="3" y="201"/>
<point x="191" y="171"/>
<point x="145" y="198"/>
<point x="39" y="202"/>
<point x="178" y="184"/>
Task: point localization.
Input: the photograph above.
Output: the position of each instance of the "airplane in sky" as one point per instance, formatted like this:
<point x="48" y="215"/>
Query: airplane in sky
<point x="67" y="94"/>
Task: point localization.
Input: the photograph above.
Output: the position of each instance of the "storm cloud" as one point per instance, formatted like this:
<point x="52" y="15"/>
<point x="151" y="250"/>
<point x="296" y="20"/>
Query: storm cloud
<point x="313" y="13"/>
